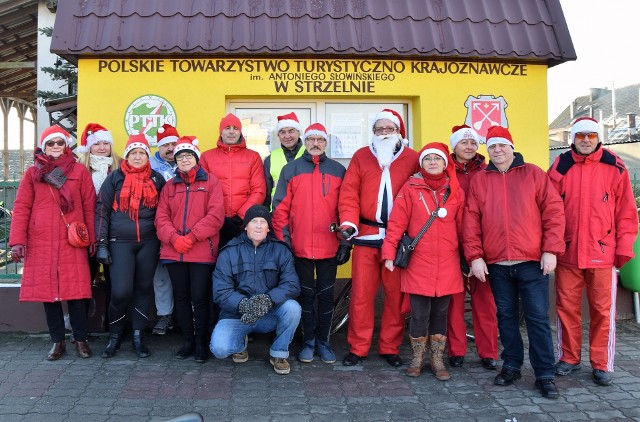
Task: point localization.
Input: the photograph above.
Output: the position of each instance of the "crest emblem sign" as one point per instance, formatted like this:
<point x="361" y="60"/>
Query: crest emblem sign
<point x="485" y="111"/>
<point x="146" y="114"/>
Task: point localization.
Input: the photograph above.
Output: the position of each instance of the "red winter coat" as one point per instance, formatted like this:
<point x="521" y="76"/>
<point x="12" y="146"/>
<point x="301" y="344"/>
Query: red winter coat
<point x="240" y="173"/>
<point x="306" y="203"/>
<point x="434" y="268"/>
<point x="196" y="210"/>
<point x="362" y="191"/>
<point x="512" y="216"/>
<point x="53" y="270"/>
<point x="602" y="219"/>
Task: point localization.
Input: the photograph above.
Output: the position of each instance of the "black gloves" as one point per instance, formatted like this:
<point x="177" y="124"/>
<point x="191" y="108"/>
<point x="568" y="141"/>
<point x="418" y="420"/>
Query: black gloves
<point x="343" y="254"/>
<point x="254" y="308"/>
<point x="344" y="232"/>
<point x="103" y="255"/>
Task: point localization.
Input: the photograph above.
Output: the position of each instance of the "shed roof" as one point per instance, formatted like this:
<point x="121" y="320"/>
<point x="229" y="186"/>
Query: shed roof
<point x="526" y="30"/>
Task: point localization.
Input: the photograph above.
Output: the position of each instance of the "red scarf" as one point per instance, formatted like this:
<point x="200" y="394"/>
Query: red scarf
<point x="137" y="187"/>
<point x="190" y="176"/>
<point x="55" y="173"/>
<point x="434" y="181"/>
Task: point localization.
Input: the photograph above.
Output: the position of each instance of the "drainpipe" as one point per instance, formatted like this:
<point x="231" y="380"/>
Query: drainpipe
<point x="636" y="306"/>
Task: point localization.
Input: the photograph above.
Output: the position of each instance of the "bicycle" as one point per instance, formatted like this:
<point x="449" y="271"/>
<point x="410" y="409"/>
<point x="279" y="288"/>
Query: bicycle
<point x="5" y="223"/>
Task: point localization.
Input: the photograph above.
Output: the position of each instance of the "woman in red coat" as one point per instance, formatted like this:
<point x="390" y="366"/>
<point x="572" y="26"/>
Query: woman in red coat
<point x="53" y="269"/>
<point x="188" y="221"/>
<point x="433" y="274"/>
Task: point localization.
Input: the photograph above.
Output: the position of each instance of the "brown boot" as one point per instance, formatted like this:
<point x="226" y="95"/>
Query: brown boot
<point x="436" y="348"/>
<point x="56" y="351"/>
<point x="418" y="345"/>
<point x="82" y="347"/>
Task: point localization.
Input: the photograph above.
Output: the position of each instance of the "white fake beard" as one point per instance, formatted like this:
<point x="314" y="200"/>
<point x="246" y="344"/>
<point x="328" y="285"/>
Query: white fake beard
<point x="384" y="147"/>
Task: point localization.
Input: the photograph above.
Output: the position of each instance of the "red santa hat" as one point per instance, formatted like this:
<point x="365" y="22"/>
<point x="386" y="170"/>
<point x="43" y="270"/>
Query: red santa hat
<point x="458" y="133"/>
<point x="166" y="134"/>
<point x="585" y="125"/>
<point x="53" y="132"/>
<point x="443" y="151"/>
<point x="288" y="120"/>
<point x="92" y="134"/>
<point x="137" y="141"/>
<point x="230" y="120"/>
<point x="315" y="129"/>
<point x="499" y="135"/>
<point x="187" y="143"/>
<point x="395" y="117"/>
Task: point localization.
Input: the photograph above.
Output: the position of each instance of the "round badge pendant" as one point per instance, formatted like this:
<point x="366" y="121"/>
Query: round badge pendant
<point x="442" y="212"/>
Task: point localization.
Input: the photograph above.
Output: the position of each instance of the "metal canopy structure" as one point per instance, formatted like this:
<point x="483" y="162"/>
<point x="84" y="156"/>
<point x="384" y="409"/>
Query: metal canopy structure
<point x="18" y="49"/>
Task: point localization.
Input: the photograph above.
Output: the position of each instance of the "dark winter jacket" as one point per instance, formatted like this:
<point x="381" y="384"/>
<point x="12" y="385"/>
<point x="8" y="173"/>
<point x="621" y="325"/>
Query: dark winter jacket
<point x="244" y="270"/>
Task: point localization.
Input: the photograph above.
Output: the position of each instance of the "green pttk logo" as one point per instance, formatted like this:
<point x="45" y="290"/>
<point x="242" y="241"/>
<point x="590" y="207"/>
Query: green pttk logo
<point x="146" y="114"/>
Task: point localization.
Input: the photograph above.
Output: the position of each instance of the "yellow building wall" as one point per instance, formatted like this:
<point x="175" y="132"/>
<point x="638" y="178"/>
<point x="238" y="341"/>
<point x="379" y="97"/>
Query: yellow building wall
<point x="198" y="89"/>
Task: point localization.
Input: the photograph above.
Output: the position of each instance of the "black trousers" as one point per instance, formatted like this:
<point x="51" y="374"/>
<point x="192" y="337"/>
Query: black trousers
<point x="192" y="298"/>
<point x="132" y="270"/>
<point x="428" y="315"/>
<point x="320" y="290"/>
<point x="77" y="316"/>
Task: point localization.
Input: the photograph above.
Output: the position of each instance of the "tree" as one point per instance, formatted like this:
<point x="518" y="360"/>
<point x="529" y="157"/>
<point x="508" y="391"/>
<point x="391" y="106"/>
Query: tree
<point x="62" y="71"/>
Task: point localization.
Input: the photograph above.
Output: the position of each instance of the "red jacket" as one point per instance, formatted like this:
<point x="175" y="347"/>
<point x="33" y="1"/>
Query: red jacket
<point x="241" y="175"/>
<point x="196" y="210"/>
<point x="363" y="188"/>
<point x="434" y="269"/>
<point x="602" y="219"/>
<point x="53" y="269"/>
<point x="512" y="216"/>
<point x="466" y="171"/>
<point x="306" y="203"/>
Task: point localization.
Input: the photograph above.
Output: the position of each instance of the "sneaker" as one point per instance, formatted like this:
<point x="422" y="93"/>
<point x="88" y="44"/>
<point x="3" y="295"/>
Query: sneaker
<point x="602" y="377"/>
<point x="164" y="324"/>
<point x="280" y="365"/>
<point x="241" y="357"/>
<point x="308" y="349"/>
<point x="326" y="352"/>
<point x="564" y="368"/>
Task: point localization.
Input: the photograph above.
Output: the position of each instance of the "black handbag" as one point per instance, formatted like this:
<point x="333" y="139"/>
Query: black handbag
<point x="406" y="245"/>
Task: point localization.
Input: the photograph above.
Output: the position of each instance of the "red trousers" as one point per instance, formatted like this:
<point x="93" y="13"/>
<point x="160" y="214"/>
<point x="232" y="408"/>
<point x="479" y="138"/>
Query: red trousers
<point x="601" y="286"/>
<point x="483" y="316"/>
<point x="367" y="273"/>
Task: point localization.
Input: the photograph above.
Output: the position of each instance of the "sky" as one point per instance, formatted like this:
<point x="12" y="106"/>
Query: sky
<point x="604" y="35"/>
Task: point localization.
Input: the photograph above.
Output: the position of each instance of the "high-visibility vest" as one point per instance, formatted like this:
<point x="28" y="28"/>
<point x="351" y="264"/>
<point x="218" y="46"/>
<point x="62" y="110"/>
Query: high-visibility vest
<point x="278" y="160"/>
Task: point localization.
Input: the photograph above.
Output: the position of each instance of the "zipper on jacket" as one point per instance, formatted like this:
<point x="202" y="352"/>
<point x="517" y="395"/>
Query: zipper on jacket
<point x="506" y="217"/>
<point x="184" y="217"/>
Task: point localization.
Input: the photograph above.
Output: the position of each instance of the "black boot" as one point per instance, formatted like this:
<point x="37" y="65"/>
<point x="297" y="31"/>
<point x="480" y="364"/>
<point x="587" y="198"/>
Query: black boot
<point x="113" y="346"/>
<point x="138" y="345"/>
<point x="186" y="350"/>
<point x="202" y="352"/>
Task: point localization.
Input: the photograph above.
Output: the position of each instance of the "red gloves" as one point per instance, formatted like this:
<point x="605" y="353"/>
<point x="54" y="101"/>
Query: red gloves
<point x="17" y="253"/>
<point x="182" y="244"/>
<point x="621" y="260"/>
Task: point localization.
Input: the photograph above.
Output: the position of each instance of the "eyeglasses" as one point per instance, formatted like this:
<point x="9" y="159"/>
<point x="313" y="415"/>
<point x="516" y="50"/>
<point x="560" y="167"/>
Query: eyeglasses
<point x="434" y="158"/>
<point x="384" y="130"/>
<point x="185" y="157"/>
<point x="50" y="144"/>
<point x="319" y="141"/>
<point x="582" y="136"/>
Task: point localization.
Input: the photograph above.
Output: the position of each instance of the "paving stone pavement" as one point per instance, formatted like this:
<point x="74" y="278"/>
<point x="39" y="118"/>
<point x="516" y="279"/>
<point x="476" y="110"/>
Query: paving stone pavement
<point x="160" y="387"/>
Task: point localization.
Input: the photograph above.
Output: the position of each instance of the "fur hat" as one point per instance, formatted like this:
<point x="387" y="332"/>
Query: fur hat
<point x="288" y="120"/>
<point x="53" y="132"/>
<point x="166" y="134"/>
<point x="499" y="135"/>
<point x="458" y="133"/>
<point x="585" y="125"/>
<point x="137" y="141"/>
<point x="92" y="134"/>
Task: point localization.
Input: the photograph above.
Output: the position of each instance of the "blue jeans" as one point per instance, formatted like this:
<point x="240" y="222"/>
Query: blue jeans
<point x="229" y="336"/>
<point x="527" y="281"/>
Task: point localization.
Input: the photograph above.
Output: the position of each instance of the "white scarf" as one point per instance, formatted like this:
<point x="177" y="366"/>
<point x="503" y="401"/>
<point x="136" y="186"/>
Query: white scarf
<point x="100" y="166"/>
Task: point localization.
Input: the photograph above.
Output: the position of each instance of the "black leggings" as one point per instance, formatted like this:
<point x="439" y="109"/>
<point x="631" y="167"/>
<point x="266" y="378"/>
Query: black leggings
<point x="322" y="289"/>
<point x="132" y="270"/>
<point x="192" y="285"/>
<point x="428" y="315"/>
<point x="77" y="317"/>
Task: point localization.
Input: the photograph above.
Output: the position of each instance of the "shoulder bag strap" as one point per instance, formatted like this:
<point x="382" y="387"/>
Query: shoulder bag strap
<point x="424" y="228"/>
<point x="56" y="201"/>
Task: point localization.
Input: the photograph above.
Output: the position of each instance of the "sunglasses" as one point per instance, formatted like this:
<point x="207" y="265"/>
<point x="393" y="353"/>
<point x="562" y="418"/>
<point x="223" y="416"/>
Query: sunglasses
<point x="51" y="144"/>
<point x="582" y="136"/>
